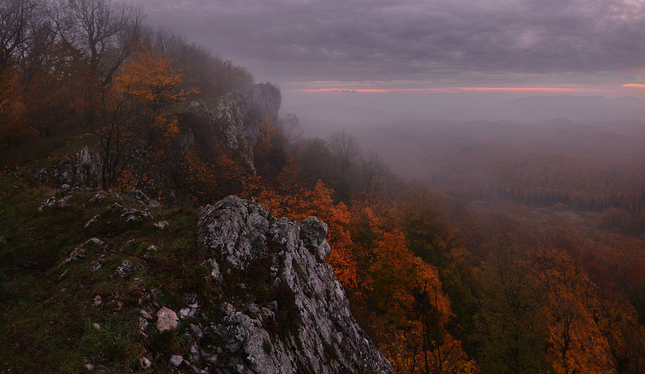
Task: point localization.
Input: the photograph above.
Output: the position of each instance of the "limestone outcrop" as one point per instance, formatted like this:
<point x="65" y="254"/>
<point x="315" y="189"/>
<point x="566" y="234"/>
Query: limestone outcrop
<point x="81" y="169"/>
<point x="293" y="315"/>
<point x="232" y="121"/>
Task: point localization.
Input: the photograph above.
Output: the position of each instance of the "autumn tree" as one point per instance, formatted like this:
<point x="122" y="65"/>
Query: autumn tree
<point x="438" y="243"/>
<point x="19" y="20"/>
<point x="510" y="324"/>
<point x="400" y="300"/>
<point x="132" y="116"/>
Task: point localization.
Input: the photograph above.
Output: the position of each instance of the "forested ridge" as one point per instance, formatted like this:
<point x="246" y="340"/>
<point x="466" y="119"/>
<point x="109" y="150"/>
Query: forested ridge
<point x="437" y="287"/>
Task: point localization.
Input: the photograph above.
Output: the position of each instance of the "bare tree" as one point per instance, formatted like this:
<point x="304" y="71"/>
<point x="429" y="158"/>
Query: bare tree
<point x="16" y="19"/>
<point x="375" y="173"/>
<point x="290" y="128"/>
<point x="103" y="30"/>
<point x="345" y="147"/>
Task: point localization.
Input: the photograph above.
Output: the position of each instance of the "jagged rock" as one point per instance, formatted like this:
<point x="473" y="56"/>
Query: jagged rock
<point x="131" y="214"/>
<point x="98" y="196"/>
<point x="166" y="320"/>
<point x="126" y="268"/>
<point x="42" y="176"/>
<point x="80" y="170"/>
<point x="91" y="221"/>
<point x="96" y="242"/>
<point x="161" y="224"/>
<point x="313" y="329"/>
<point x="47" y="203"/>
<point x="141" y="197"/>
<point x="115" y="207"/>
<point x="79" y="252"/>
<point x="64" y="189"/>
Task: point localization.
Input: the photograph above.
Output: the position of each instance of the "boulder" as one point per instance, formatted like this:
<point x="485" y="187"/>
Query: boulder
<point x="166" y="320"/>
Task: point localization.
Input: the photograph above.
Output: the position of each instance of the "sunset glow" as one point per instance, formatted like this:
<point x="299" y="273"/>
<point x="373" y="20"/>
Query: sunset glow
<point x="450" y="89"/>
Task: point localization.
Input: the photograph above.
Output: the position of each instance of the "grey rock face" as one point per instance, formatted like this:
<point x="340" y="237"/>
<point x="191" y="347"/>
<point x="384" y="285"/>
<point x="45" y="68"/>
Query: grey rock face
<point x="233" y="120"/>
<point x="308" y="325"/>
<point x="79" y="170"/>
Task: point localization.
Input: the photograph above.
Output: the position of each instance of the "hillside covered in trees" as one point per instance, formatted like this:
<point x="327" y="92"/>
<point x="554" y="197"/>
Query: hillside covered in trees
<point x="438" y="287"/>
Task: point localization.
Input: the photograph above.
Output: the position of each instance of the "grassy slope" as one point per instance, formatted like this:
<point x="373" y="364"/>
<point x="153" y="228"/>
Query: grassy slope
<point x="46" y="323"/>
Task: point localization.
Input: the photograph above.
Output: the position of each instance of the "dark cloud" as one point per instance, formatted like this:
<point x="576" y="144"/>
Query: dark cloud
<point x="426" y="40"/>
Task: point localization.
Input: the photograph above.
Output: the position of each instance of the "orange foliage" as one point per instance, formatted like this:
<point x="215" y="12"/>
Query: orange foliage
<point x="11" y="108"/>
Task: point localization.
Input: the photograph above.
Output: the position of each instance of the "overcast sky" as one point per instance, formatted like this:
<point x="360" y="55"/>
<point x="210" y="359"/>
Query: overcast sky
<point x="547" y="46"/>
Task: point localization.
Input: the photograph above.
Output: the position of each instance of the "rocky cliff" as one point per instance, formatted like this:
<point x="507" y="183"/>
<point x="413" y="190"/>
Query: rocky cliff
<point x="289" y="314"/>
<point x="232" y="121"/>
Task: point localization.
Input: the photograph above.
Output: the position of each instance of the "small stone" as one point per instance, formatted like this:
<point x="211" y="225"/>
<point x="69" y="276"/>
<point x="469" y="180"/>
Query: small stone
<point x="152" y="248"/>
<point x="184" y="312"/>
<point x="161" y="224"/>
<point x="176" y="360"/>
<point x="126" y="268"/>
<point x="99" y="196"/>
<point x="97" y="300"/>
<point x="95" y="241"/>
<point x="49" y="202"/>
<point x="3" y="240"/>
<point x="115" y="206"/>
<point x="143" y="324"/>
<point x="145" y="315"/>
<point x="198" y="370"/>
<point x="63" y="188"/>
<point x="96" y="326"/>
<point x="60" y="277"/>
<point x="145" y="363"/>
<point x="91" y="221"/>
<point x="166" y="320"/>
<point x="197" y="331"/>
<point x="191" y="300"/>
<point x="89" y="366"/>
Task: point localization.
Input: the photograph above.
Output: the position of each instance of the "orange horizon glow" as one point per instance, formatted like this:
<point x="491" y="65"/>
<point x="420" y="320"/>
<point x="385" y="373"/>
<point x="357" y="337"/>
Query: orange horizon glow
<point x="444" y="89"/>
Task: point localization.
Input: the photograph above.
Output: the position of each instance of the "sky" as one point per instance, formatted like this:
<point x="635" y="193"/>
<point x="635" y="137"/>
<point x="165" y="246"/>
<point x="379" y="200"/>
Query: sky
<point x="318" y="48"/>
